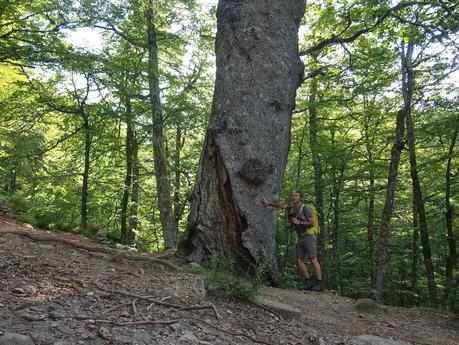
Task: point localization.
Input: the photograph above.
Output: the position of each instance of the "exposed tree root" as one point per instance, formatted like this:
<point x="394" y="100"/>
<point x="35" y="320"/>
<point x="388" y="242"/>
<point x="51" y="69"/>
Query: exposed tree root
<point x="240" y="334"/>
<point x="115" y="253"/>
<point x="158" y="302"/>
<point x="138" y="323"/>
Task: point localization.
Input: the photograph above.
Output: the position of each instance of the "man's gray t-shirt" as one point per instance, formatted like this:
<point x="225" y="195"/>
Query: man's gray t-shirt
<point x="301" y="228"/>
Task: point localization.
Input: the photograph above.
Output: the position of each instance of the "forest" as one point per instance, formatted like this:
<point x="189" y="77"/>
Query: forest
<point x="108" y="110"/>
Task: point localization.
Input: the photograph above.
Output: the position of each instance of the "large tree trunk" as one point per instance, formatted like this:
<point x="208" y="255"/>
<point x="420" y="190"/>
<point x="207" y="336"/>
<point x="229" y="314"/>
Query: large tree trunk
<point x="248" y="138"/>
<point x="418" y="199"/>
<point x="317" y="166"/>
<point x="382" y="257"/>
<point x="451" y="260"/>
<point x="159" y="155"/>
<point x="128" y="175"/>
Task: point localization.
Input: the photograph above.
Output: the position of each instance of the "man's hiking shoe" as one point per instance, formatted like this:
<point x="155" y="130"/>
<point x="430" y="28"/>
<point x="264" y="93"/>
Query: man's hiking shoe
<point x="309" y="284"/>
<point x="318" y="286"/>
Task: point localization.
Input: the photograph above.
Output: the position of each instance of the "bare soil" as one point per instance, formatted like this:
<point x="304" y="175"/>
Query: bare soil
<point x="66" y="291"/>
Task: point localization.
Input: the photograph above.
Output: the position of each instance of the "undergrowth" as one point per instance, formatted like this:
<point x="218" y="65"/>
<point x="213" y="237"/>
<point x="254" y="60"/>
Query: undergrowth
<point x="222" y="280"/>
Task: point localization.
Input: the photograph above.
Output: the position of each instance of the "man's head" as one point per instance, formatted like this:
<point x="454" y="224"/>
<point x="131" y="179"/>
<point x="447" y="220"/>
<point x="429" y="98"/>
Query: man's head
<point x="297" y="197"/>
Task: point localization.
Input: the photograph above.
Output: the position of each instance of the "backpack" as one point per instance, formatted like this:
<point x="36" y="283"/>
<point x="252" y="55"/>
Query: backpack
<point x="315" y="229"/>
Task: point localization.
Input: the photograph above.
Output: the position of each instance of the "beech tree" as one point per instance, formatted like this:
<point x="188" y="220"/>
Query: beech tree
<point x="248" y="136"/>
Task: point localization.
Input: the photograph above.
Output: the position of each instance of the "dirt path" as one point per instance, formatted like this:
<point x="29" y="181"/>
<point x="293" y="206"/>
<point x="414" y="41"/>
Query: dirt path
<point x="59" y="294"/>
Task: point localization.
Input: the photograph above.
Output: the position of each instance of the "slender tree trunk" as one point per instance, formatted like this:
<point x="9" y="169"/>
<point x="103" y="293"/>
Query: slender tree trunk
<point x="451" y="260"/>
<point x="382" y="258"/>
<point x="337" y="182"/>
<point x="133" y="218"/>
<point x="317" y="166"/>
<point x="179" y="142"/>
<point x="159" y="155"/>
<point x="128" y="175"/>
<point x="417" y="194"/>
<point x="371" y="206"/>
<point x="12" y="186"/>
<point x="300" y="157"/>
<point x="248" y="138"/>
<point x="85" y="186"/>
<point x="414" y="256"/>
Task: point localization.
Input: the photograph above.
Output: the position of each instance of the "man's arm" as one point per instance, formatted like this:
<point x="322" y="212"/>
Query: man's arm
<point x="277" y="205"/>
<point x="309" y="222"/>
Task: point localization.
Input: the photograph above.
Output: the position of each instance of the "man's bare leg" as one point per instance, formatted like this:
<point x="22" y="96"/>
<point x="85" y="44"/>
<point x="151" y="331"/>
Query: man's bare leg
<point x="301" y="268"/>
<point x="316" y="266"/>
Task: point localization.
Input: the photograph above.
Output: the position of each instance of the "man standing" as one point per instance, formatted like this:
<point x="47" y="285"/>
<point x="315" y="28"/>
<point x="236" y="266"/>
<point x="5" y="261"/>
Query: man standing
<point x="303" y="223"/>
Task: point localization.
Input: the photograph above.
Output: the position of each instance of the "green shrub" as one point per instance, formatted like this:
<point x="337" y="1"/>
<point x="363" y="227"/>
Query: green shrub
<point x="222" y="281"/>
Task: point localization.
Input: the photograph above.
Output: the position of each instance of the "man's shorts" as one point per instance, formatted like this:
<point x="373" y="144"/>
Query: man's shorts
<point x="306" y="246"/>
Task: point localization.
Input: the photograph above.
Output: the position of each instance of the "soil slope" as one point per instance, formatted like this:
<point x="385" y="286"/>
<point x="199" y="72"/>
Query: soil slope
<point x="68" y="290"/>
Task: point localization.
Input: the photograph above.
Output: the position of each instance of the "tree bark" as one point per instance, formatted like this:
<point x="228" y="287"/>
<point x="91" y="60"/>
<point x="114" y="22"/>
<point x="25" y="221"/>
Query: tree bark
<point x="169" y="226"/>
<point x="317" y="166"/>
<point x="417" y="195"/>
<point x="371" y="206"/>
<point x="85" y="186"/>
<point x="12" y="186"/>
<point x="128" y="175"/>
<point x="248" y="137"/>
<point x="179" y="142"/>
<point x="133" y="221"/>
<point x="414" y="256"/>
<point x="382" y="257"/>
<point x="451" y="260"/>
<point x="337" y="182"/>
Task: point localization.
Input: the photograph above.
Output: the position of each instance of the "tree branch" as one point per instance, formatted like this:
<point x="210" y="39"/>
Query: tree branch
<point x="336" y="39"/>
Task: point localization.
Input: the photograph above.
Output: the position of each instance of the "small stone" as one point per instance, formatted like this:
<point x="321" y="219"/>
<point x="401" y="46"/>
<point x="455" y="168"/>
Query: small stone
<point x="2" y="240"/>
<point x="64" y="329"/>
<point x="374" y="340"/>
<point x="34" y="317"/>
<point x="18" y="291"/>
<point x="104" y="332"/>
<point x="175" y="326"/>
<point x="194" y="265"/>
<point x="366" y="305"/>
<point x="55" y="315"/>
<point x="61" y="342"/>
<point x="322" y="341"/>
<point x="46" y="246"/>
<point x="391" y="325"/>
<point x="29" y="289"/>
<point x="189" y="336"/>
<point x="15" y="339"/>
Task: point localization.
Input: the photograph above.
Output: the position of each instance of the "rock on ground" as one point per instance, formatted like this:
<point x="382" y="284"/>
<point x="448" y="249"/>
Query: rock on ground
<point x="15" y="339"/>
<point x="374" y="340"/>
